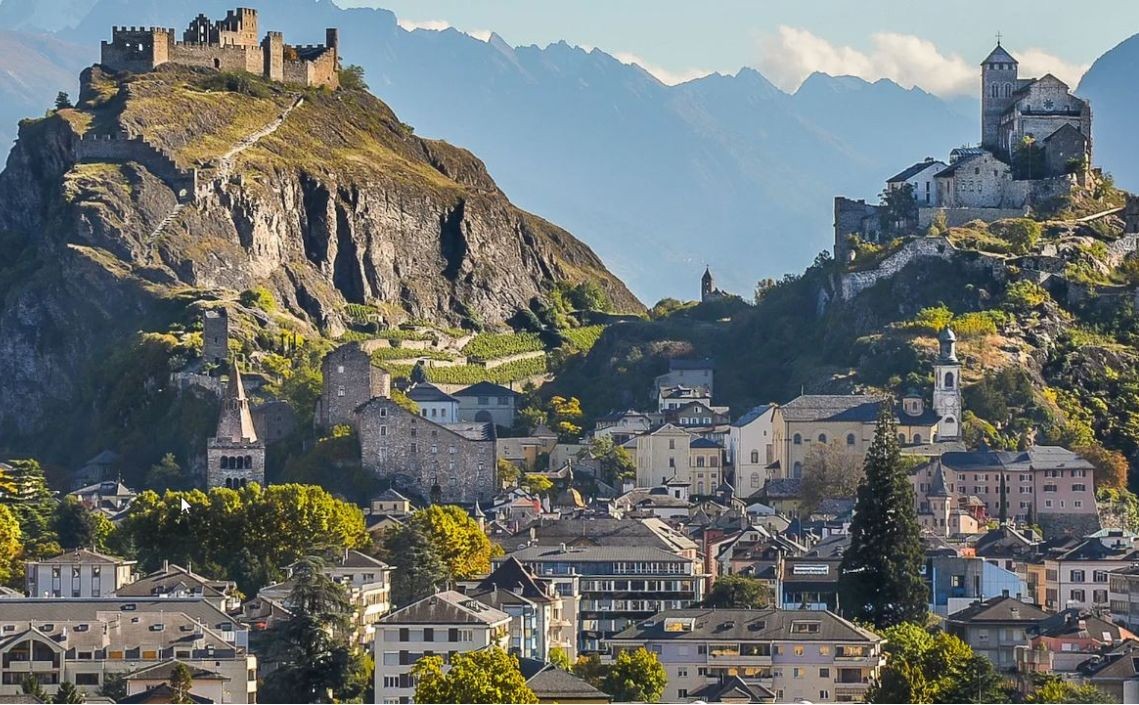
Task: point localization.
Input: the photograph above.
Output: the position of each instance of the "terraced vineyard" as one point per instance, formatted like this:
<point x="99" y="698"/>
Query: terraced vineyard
<point x="488" y="346"/>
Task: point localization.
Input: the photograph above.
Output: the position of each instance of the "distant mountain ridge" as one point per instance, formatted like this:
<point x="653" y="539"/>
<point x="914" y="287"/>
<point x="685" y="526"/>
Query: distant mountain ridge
<point x="725" y="170"/>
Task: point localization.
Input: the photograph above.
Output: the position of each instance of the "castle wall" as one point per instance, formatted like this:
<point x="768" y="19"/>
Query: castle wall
<point x="220" y="58"/>
<point x="115" y="148"/>
<point x="416" y="454"/>
<point x="137" y="49"/>
<point x="854" y="282"/>
<point x="273" y="56"/>
<point x="853" y="218"/>
<point x="319" y="71"/>
<point x="956" y="217"/>
<point x="215" y="337"/>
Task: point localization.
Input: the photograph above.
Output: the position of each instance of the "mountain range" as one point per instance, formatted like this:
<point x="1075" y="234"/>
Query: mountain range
<point x="725" y="170"/>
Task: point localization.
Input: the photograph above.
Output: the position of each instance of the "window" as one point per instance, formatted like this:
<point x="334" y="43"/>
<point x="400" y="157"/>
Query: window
<point x="340" y="390"/>
<point x="797" y="469"/>
<point x="428" y="634"/>
<point x="1078" y="595"/>
<point x="403" y="634"/>
<point x="1077" y="576"/>
<point x="796" y="672"/>
<point x="1099" y="576"/>
<point x="957" y="581"/>
<point x="672" y="444"/>
<point x="901" y="438"/>
<point x="822" y="438"/>
<point x="681" y="693"/>
<point x="824" y="673"/>
<point x="383" y="430"/>
<point x="340" y="369"/>
<point x="949" y="380"/>
<point x="850" y="439"/>
<point x="917" y="438"/>
<point x="1079" y="487"/>
<point x="682" y="672"/>
<point x="86" y="679"/>
<point x="1099" y="597"/>
<point x="798" y="650"/>
<point x="797" y="440"/>
<point x="805" y="627"/>
<point x="754" y="458"/>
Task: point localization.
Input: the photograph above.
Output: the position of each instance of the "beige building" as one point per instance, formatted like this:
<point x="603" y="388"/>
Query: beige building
<point x="772" y="654"/>
<point x="79" y="573"/>
<point x="443" y="624"/>
<point x="705" y="466"/>
<point x="85" y="641"/>
<point x="660" y="454"/>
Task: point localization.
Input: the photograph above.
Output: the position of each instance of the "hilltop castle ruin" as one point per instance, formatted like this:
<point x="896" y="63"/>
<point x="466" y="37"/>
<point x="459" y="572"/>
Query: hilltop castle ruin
<point x="230" y="44"/>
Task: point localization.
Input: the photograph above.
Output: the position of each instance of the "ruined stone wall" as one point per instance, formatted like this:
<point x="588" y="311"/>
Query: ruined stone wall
<point x="956" y="217"/>
<point x="137" y="49"/>
<point x="118" y="148"/>
<point x="220" y="58"/>
<point x="215" y="337"/>
<point x="418" y="455"/>
<point x="322" y="69"/>
<point x="854" y="282"/>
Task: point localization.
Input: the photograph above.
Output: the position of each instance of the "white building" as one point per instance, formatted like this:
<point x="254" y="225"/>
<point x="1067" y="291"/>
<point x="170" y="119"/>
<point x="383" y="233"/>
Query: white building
<point x="79" y="573"/>
<point x="920" y="179"/>
<point x="486" y="402"/>
<point x="434" y="404"/>
<point x="443" y="624"/>
<point x="660" y="454"/>
<point x="755" y="448"/>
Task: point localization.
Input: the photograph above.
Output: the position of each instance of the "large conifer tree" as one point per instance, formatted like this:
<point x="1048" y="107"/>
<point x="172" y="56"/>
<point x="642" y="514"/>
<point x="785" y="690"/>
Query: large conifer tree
<point x="880" y="580"/>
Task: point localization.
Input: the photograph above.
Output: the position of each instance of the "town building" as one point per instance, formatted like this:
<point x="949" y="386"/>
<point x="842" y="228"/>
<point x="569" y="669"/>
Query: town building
<point x="1123" y="595"/>
<point x="229" y="44"/>
<point x="705" y="466"/>
<point x="919" y="178"/>
<point x="448" y="463"/>
<point x="1078" y="576"/>
<point x="622" y="426"/>
<point x="619" y="584"/>
<point x="686" y="372"/>
<point x="79" y="573"/>
<point x="603" y="531"/>
<point x="83" y="641"/>
<point x="175" y="582"/>
<point x="486" y="402"/>
<point x="660" y="454"/>
<point x="443" y="624"/>
<point x="789" y="655"/>
<point x="434" y="403"/>
<point x="755" y="448"/>
<point x="1064" y="641"/>
<point x="955" y="582"/>
<point x="551" y="684"/>
<point x="235" y="456"/>
<point x="996" y="628"/>
<point x="111" y="498"/>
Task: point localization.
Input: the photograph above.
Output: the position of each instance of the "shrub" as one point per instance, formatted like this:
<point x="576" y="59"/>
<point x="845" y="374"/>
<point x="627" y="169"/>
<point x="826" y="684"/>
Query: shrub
<point x="259" y="297"/>
<point x="352" y="78"/>
<point x="1024" y="294"/>
<point x="1022" y="234"/>
<point x="932" y="318"/>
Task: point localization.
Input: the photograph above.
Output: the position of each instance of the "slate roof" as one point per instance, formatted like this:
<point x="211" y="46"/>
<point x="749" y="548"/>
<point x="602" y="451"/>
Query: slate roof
<point x="82" y="555"/>
<point x="1121" y="663"/>
<point x="832" y="407"/>
<point x="161" y="693"/>
<point x="910" y="171"/>
<point x="446" y="607"/>
<point x="485" y="389"/>
<point x="1077" y="623"/>
<point x="512" y="574"/>
<point x="782" y="487"/>
<point x="356" y="559"/>
<point x="472" y="431"/>
<point x="704" y="443"/>
<point x="962" y="161"/>
<point x="390" y="495"/>
<point x="601" y="531"/>
<point x="595" y="554"/>
<point x="162" y="671"/>
<point x="174" y="579"/>
<point x="999" y="55"/>
<point x="746" y="625"/>
<point x="1004" y="541"/>
<point x="552" y="684"/>
<point x="999" y="609"/>
<point x="427" y="392"/>
<point x="734" y="689"/>
<point x="753" y="414"/>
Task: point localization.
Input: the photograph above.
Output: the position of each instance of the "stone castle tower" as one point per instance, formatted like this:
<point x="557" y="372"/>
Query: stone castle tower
<point x="235" y="456"/>
<point x="707" y="285"/>
<point x="947" y="387"/>
<point x="349" y="381"/>
<point x="215" y="336"/>
<point x="999" y="76"/>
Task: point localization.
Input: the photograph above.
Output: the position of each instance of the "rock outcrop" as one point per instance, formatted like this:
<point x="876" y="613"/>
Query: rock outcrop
<point x="336" y="202"/>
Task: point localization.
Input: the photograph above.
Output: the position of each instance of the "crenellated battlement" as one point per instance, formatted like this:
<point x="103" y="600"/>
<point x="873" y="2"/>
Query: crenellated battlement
<point x="229" y="44"/>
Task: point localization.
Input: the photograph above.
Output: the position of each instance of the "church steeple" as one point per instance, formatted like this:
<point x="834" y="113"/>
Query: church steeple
<point x="707" y="286"/>
<point x="235" y="422"/>
<point x="947" y="386"/>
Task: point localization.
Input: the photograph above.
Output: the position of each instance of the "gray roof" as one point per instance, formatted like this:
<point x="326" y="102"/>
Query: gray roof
<point x="446" y="607"/>
<point x="82" y="555"/>
<point x="486" y="389"/>
<point x="704" y="443"/>
<point x="472" y="431"/>
<point x="753" y="414"/>
<point x="600" y="531"/>
<point x="999" y="609"/>
<point x="999" y="55"/>
<point x="426" y="392"/>
<point x="745" y="625"/>
<point x="910" y="171"/>
<point x="595" y="554"/>
<point x="174" y="579"/>
<point x="552" y="684"/>
<point x="832" y="407"/>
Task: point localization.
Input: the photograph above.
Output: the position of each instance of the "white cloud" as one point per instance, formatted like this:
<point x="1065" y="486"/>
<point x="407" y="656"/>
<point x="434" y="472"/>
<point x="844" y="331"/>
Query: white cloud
<point x="662" y="74"/>
<point x="1036" y="62"/>
<point x="794" y="53"/>
<point x="432" y="25"/>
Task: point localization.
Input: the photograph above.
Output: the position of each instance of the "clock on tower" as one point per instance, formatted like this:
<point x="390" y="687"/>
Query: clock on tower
<point x="947" y="387"/>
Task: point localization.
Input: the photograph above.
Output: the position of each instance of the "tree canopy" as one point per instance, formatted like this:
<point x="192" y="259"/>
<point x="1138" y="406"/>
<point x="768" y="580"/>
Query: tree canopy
<point x="925" y="667"/>
<point x="419" y="569"/>
<point x="880" y="578"/>
<point x="1052" y="689"/>
<point x="485" y="676"/>
<point x="460" y="541"/>
<point x="635" y="676"/>
<point x="739" y="592"/>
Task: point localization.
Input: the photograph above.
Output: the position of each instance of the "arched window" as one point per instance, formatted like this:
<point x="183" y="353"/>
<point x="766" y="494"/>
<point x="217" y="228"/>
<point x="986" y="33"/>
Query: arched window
<point x="850" y="439"/>
<point x="994" y="90"/>
<point x="822" y="438"/>
<point x="224" y="463"/>
<point x="949" y="420"/>
<point x="797" y="469"/>
<point x="755" y="456"/>
<point x="249" y="462"/>
<point x="902" y="438"/>
<point x="1008" y="90"/>
<point x="797" y="440"/>
<point x="949" y="381"/>
<point x="917" y="438"/>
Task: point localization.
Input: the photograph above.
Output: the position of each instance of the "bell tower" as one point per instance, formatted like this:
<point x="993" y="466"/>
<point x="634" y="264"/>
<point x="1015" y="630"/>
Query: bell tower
<point x="947" y="387"/>
<point x="999" y="74"/>
<point x="706" y="285"/>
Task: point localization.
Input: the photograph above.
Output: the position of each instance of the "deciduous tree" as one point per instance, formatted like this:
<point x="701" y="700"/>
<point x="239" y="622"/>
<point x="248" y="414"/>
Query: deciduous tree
<point x="1056" y="690"/>
<point x="80" y="527"/>
<point x="635" y="676"/>
<point x="460" y="542"/>
<point x="1110" y="467"/>
<point x="738" y="592"/>
<point x="926" y="667"/>
<point x="485" y="676"/>
<point x="880" y="578"/>
<point x="829" y="472"/>
<point x="181" y="682"/>
<point x="560" y="658"/>
<point x="11" y="543"/>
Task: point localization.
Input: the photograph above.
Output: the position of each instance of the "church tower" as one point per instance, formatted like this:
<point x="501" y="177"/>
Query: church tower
<point x="947" y="387"/>
<point x="999" y="73"/>
<point x="235" y="456"/>
<point x="707" y="287"/>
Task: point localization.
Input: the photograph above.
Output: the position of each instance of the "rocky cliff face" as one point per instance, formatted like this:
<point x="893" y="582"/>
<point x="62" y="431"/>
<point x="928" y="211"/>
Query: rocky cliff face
<point x="324" y="198"/>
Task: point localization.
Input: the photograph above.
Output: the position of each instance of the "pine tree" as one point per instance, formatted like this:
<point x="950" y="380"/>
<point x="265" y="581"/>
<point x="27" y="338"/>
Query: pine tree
<point x="67" y="693"/>
<point x="880" y="580"/>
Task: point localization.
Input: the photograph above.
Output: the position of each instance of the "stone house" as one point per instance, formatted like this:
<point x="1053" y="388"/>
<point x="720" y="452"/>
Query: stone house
<point x="486" y="402"/>
<point x="349" y="380"/>
<point x="920" y="178"/>
<point x="976" y="179"/>
<point x="778" y="655"/>
<point x="452" y="463"/>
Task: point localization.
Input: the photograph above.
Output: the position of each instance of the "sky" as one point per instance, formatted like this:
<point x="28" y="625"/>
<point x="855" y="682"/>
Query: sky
<point x="935" y="45"/>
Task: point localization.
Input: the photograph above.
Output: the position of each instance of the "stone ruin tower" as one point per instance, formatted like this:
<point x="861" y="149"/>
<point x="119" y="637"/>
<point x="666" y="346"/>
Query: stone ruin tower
<point x="350" y="380"/>
<point x="235" y="456"/>
<point x="215" y="337"/>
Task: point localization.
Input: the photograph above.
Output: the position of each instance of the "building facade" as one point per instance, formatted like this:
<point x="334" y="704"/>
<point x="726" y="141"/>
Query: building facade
<point x="349" y="380"/>
<point x="79" y="573"/>
<point x="235" y="456"/>
<point x="487" y="403"/>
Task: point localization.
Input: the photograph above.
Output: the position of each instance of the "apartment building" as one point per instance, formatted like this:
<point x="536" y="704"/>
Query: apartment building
<point x="619" y="584"/>
<point x="174" y="581"/>
<point x="996" y="628"/>
<point x="1123" y="595"/>
<point x="1078" y="576"/>
<point x="443" y="624"/>
<point x="83" y="641"/>
<point x="780" y="655"/>
<point x="79" y="573"/>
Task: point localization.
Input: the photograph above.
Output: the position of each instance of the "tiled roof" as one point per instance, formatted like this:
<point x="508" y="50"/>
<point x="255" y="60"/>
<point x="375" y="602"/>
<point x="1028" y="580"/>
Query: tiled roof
<point x="426" y="392"/>
<point x="472" y="431"/>
<point x="832" y="407"/>
<point x="162" y="671"/>
<point x="595" y="554"/>
<point x="82" y="555"/>
<point x="746" y="625"/>
<point x="734" y="690"/>
<point x="704" y="443"/>
<point x="161" y="693"/>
